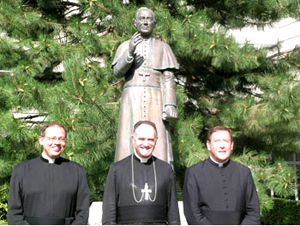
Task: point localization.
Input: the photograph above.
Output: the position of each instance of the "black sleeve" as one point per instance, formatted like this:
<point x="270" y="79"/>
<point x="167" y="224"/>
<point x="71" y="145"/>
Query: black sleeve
<point x="110" y="200"/>
<point x="173" y="212"/>
<point x="192" y="210"/>
<point x="252" y="215"/>
<point x="15" y="207"/>
<point x="82" y="200"/>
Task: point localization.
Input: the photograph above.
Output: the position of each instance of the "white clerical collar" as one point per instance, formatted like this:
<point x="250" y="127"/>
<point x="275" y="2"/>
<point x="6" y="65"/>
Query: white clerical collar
<point x="220" y="164"/>
<point x="143" y="160"/>
<point x="51" y="161"/>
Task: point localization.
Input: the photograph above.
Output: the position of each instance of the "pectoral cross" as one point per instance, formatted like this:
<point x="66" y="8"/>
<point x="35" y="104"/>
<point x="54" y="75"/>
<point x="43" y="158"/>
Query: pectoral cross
<point x="144" y="74"/>
<point x="146" y="191"/>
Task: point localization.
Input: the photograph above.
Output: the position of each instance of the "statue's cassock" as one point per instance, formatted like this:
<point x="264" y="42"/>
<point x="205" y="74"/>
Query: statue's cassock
<point x="49" y="193"/>
<point x="147" y="90"/>
<point x="124" y="205"/>
<point x="220" y="195"/>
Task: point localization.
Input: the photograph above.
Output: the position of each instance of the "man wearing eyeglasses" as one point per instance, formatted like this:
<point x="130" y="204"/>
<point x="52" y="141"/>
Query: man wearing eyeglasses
<point x="49" y="190"/>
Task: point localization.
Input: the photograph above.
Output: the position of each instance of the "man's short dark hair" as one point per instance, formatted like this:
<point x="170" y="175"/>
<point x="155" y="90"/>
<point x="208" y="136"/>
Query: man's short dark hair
<point x="45" y="127"/>
<point x="219" y="128"/>
<point x="136" y="125"/>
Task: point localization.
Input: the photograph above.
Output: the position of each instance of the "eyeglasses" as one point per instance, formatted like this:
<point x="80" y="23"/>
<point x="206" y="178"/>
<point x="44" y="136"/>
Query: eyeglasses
<point x="60" y="139"/>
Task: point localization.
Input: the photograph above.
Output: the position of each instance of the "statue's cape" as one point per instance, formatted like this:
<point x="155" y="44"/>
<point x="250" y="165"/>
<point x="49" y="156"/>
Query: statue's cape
<point x="163" y="55"/>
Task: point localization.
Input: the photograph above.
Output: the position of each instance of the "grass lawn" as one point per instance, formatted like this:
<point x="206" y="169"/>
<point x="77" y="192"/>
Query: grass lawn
<point x="3" y="223"/>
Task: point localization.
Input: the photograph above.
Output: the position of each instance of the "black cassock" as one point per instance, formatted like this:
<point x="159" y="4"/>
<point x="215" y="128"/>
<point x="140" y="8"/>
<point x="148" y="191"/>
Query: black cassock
<point x="119" y="205"/>
<point x="43" y="193"/>
<point x="220" y="195"/>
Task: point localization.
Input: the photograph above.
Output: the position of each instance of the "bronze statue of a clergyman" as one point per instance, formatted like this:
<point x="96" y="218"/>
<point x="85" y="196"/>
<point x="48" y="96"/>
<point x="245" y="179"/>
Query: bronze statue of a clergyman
<point x="149" y="89"/>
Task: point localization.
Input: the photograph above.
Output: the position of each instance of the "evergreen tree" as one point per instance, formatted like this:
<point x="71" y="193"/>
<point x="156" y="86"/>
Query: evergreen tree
<point x="55" y="61"/>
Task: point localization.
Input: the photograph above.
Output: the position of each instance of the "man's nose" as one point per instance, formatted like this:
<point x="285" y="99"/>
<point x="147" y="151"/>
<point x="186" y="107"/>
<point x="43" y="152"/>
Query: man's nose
<point x="146" y="143"/>
<point x="56" y="141"/>
<point x="222" y="144"/>
<point x="145" y="21"/>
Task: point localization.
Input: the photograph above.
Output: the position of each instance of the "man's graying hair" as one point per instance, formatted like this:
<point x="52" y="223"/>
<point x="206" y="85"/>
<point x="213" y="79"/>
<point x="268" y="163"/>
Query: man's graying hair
<point x="145" y="122"/>
<point x="52" y="124"/>
<point x="142" y="9"/>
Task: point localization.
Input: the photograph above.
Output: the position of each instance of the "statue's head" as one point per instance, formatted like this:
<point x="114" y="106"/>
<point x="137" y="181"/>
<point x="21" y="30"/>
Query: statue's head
<point x="145" y="21"/>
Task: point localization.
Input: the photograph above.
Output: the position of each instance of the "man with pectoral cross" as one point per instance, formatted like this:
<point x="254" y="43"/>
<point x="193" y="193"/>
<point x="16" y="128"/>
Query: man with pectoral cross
<point x="140" y="189"/>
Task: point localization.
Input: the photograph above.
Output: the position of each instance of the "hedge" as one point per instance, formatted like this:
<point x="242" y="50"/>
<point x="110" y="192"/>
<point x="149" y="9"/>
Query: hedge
<point x="284" y="212"/>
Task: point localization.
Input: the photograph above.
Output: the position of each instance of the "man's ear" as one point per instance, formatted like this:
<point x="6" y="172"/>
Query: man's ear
<point x="208" y="144"/>
<point x="231" y="146"/>
<point x="134" y="23"/>
<point x="41" y="140"/>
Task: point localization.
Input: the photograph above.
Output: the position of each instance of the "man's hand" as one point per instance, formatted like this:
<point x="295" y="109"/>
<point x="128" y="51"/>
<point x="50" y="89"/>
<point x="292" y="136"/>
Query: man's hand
<point x="134" y="41"/>
<point x="170" y="113"/>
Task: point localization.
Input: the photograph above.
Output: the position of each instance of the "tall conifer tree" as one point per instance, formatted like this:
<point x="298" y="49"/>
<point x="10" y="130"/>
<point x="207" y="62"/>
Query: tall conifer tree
<point x="55" y="62"/>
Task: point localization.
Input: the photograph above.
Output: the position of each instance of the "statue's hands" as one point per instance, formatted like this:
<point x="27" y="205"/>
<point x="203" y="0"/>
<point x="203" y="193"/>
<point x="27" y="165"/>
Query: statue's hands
<point x="170" y="113"/>
<point x="134" y="41"/>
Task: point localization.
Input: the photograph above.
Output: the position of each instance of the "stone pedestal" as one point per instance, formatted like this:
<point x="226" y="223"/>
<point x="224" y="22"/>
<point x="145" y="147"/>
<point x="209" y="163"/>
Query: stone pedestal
<point x="95" y="217"/>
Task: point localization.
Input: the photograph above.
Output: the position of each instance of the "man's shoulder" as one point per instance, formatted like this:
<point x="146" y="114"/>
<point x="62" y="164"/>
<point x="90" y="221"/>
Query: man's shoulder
<point x="160" y="42"/>
<point x="122" y="162"/>
<point x="124" y="44"/>
<point x="27" y="162"/>
<point x="161" y="45"/>
<point x="162" y="163"/>
<point x="239" y="166"/>
<point x="198" y="165"/>
<point x="70" y="163"/>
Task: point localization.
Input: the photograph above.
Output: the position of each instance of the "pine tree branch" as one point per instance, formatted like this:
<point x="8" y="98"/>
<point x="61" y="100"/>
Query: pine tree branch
<point x="168" y="24"/>
<point x="280" y="54"/>
<point x="97" y="106"/>
<point x="68" y="12"/>
<point x="103" y="8"/>
<point x="116" y="83"/>
<point x="154" y="6"/>
<point x="80" y="154"/>
<point x="18" y="87"/>
<point x="253" y="94"/>
<point x="62" y="117"/>
<point x="3" y="72"/>
<point x="32" y="117"/>
<point x="79" y="97"/>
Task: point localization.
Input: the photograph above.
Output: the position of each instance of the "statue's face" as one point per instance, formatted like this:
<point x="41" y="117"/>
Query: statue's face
<point x="145" y="22"/>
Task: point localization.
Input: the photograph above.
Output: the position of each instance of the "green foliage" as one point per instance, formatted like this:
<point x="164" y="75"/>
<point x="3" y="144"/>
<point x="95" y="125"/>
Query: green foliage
<point x="284" y="212"/>
<point x="3" y="202"/>
<point x="60" y="54"/>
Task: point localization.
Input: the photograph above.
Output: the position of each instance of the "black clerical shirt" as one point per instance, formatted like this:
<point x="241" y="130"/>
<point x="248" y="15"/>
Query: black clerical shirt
<point x="220" y="195"/>
<point x="119" y="205"/>
<point x="43" y="193"/>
